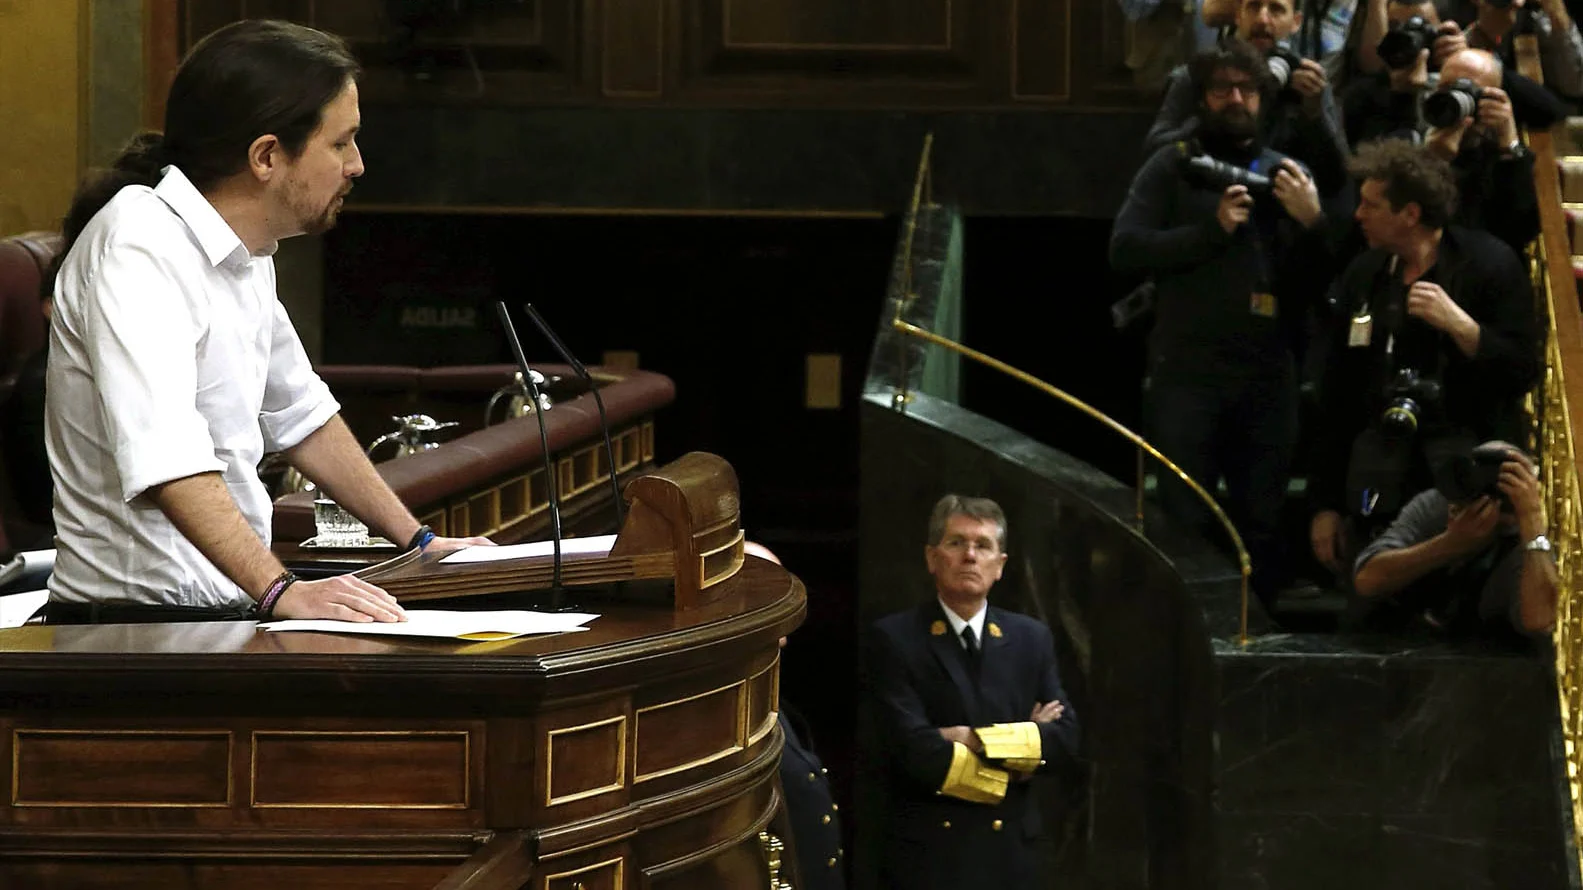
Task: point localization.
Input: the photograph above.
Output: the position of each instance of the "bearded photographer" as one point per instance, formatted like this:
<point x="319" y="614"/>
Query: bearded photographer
<point x="1468" y="555"/>
<point x="1304" y="121"/>
<point x="1431" y="346"/>
<point x="1235" y="265"/>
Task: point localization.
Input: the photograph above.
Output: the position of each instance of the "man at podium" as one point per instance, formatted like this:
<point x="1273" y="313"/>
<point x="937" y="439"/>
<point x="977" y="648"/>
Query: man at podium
<point x="173" y="368"/>
<point x="966" y="704"/>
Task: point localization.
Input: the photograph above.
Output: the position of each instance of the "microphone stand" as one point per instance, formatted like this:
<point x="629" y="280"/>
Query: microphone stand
<point x="558" y="601"/>
<point x="604" y="423"/>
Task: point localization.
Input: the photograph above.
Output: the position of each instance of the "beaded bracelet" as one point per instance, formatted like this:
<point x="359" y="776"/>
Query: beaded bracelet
<point x="272" y="593"/>
<point x="421" y="538"/>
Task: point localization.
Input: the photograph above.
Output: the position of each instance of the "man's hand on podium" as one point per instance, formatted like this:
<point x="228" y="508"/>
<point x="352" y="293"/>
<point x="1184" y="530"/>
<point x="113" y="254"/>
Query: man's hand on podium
<point x="340" y="598"/>
<point x="446" y="545"/>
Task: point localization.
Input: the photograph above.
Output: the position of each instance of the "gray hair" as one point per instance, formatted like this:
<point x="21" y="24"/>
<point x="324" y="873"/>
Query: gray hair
<point x="955" y="505"/>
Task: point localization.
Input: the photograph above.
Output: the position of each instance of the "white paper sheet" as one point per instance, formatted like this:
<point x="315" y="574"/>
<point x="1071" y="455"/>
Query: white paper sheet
<point x="596" y="545"/>
<point x="451" y="624"/>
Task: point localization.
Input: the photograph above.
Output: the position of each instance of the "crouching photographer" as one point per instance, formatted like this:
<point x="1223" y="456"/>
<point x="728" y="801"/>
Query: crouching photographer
<point x="1467" y="556"/>
<point x="1430" y="347"/>
<point x="1231" y="232"/>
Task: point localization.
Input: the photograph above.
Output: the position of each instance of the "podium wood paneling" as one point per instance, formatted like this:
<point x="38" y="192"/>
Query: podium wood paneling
<point x="726" y="53"/>
<point x="214" y="755"/>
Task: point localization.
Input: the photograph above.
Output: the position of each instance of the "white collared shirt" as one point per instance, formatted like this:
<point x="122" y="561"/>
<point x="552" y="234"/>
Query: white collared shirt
<point x="170" y="356"/>
<point x="976" y="622"/>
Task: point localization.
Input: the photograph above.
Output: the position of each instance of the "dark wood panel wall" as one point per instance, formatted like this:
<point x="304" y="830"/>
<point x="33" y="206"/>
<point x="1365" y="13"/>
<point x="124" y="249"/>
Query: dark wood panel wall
<point x="892" y="54"/>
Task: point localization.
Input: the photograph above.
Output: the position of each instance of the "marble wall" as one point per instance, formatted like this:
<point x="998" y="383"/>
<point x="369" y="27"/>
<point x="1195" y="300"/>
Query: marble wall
<point x="1297" y="761"/>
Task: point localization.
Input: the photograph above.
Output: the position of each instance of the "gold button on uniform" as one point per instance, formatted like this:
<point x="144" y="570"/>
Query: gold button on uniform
<point x="833" y="808"/>
<point x="945" y="824"/>
<point x="995" y="825"/>
<point x="823" y="771"/>
<point x="825" y="819"/>
<point x="831" y="863"/>
<point x="813" y="777"/>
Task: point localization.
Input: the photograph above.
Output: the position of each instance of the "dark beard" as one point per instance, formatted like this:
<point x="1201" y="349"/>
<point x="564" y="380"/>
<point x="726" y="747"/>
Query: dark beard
<point x="1228" y="131"/>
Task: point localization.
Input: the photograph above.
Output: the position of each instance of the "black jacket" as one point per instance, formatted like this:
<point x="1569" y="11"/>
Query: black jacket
<point x="815" y="821"/>
<point x="1482" y="396"/>
<point x="917" y="681"/>
<point x="1205" y="329"/>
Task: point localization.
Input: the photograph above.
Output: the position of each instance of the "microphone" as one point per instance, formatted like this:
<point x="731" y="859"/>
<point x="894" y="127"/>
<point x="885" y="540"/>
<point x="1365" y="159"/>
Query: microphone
<point x="557" y="590"/>
<point x="604" y="424"/>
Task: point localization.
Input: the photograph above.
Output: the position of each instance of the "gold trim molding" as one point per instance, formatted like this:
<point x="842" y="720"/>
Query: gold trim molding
<point x="620" y="765"/>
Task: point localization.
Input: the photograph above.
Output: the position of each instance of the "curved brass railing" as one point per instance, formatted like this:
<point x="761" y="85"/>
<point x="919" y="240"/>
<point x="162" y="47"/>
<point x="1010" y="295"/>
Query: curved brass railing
<point x="922" y="198"/>
<point x="1556" y="286"/>
<point x="1244" y="563"/>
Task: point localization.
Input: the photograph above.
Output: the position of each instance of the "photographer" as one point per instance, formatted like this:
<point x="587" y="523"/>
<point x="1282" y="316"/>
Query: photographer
<point x="1326" y="28"/>
<point x="1402" y="44"/>
<point x="1230" y="252"/>
<point x="1471" y="125"/>
<point x="1405" y="63"/>
<point x="1560" y="44"/>
<point x="1431" y="346"/>
<point x="1305" y="121"/>
<point x="1467" y="555"/>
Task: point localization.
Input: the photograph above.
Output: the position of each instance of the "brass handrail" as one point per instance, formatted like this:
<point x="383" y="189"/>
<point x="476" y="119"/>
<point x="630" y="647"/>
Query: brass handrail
<point x="906" y="296"/>
<point x="1244" y="563"/>
<point x="918" y="189"/>
<point x="1561" y="388"/>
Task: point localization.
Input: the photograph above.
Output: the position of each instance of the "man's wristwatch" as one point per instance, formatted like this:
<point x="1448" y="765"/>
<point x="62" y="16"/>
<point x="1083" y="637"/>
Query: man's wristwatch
<point x="1540" y="543"/>
<point x="1516" y="150"/>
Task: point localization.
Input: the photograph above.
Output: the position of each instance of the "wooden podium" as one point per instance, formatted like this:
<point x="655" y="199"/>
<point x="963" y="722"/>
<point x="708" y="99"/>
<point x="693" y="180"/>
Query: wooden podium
<point x="683" y="526"/>
<point x="641" y="753"/>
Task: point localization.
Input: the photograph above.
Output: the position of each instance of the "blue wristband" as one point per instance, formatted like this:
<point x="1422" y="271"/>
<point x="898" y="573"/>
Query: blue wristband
<point x="421" y="538"/>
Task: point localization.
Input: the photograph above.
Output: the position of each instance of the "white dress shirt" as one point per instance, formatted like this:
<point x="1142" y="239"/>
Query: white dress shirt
<point x="170" y="356"/>
<point x="976" y="622"/>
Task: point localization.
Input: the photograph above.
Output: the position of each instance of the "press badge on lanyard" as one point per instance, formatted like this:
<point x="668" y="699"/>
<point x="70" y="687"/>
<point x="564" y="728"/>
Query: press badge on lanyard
<point x="1361" y="331"/>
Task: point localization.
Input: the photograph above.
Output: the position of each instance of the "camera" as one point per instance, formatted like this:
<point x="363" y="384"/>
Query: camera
<point x="1473" y="474"/>
<point x="1445" y="108"/>
<point x="1217" y="175"/>
<point x="1400" y="46"/>
<point x="1409" y="398"/>
<point x="1283" y="63"/>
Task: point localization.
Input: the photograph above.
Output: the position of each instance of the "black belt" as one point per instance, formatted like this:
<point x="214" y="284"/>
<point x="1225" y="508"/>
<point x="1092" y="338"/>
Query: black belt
<point x="136" y="613"/>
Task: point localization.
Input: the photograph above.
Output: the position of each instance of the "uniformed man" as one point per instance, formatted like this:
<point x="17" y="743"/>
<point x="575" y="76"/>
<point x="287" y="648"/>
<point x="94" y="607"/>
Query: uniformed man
<point x="810" y="804"/>
<point x="966" y="704"/>
<point x="816" y="825"/>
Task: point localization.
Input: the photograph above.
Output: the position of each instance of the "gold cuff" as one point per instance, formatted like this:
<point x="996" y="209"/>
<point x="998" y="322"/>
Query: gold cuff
<point x="970" y="779"/>
<point x="1011" y="741"/>
<point x="1023" y="765"/>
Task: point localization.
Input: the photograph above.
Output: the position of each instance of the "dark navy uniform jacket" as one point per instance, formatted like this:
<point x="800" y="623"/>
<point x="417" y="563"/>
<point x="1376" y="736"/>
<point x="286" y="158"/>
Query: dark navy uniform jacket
<point x="918" y="680"/>
<point x="816" y="825"/>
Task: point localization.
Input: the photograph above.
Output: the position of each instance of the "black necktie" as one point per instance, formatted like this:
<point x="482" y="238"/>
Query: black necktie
<point x="970" y="643"/>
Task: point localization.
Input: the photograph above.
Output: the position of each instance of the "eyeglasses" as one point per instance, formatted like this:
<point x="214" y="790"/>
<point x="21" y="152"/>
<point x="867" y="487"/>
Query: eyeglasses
<point x="1221" y="89"/>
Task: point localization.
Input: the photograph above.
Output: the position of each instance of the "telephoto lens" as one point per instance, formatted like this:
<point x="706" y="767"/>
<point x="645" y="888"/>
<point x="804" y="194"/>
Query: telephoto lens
<point x="1218" y="175"/>
<point x="1283" y="63"/>
<point x="1447" y="107"/>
